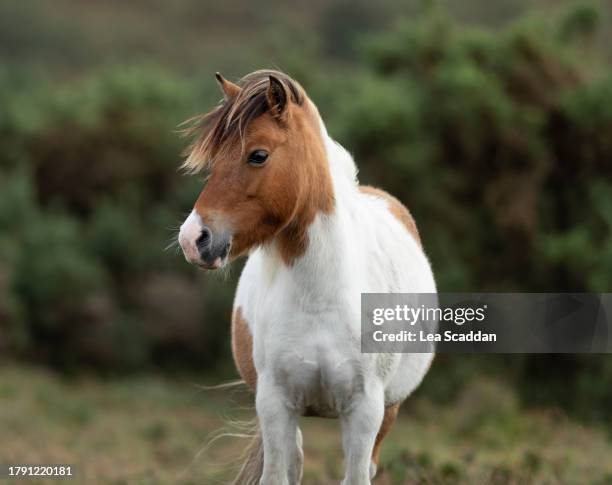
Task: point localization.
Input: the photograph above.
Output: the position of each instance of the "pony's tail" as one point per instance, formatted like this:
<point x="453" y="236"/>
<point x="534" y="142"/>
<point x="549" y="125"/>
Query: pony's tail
<point x="252" y="467"/>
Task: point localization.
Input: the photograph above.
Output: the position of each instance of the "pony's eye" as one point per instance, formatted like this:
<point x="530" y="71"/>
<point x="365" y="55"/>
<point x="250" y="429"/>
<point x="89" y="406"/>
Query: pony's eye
<point x="258" y="157"/>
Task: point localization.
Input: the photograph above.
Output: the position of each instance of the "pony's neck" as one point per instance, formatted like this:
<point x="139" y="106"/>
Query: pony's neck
<point x="328" y="237"/>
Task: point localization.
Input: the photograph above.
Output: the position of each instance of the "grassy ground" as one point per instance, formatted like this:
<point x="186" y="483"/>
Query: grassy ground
<point x="153" y="430"/>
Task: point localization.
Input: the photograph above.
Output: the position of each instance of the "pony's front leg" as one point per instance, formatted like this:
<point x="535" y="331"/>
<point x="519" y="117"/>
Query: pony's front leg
<point x="296" y="465"/>
<point x="279" y="433"/>
<point x="359" y="428"/>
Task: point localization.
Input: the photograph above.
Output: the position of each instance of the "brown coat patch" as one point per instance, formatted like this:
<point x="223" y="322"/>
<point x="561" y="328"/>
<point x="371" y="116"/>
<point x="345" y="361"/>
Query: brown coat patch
<point x="316" y="191"/>
<point x="398" y="209"/>
<point x="279" y="199"/>
<point x="385" y="428"/>
<point x="242" y="349"/>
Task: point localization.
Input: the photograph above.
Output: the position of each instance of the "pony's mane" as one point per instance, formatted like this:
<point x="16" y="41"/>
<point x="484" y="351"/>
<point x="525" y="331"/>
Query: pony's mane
<point x="225" y="125"/>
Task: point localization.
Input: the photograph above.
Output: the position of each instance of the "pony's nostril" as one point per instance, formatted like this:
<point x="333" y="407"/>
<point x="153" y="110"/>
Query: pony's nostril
<point x="204" y="240"/>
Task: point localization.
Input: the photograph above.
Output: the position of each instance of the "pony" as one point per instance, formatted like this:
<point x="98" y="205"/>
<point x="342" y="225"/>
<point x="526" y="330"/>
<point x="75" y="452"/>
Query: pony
<point x="286" y="195"/>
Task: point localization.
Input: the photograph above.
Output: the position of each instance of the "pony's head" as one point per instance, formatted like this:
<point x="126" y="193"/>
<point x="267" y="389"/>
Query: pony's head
<point x="268" y="172"/>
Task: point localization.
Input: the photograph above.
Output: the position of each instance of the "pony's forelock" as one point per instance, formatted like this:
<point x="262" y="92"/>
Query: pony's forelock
<point x="222" y="128"/>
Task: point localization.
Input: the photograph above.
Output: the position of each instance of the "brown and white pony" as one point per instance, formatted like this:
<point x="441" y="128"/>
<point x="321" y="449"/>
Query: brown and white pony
<point x="283" y="193"/>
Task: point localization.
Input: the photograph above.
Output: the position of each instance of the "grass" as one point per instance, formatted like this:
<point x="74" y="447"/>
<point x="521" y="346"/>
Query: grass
<point x="153" y="430"/>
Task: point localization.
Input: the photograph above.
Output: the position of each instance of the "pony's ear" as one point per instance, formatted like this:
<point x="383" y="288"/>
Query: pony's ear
<point x="229" y="88"/>
<point x="277" y="98"/>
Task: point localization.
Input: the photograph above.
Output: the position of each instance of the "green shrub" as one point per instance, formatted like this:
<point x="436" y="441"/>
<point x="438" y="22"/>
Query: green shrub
<point x="90" y="194"/>
<point x="499" y="143"/>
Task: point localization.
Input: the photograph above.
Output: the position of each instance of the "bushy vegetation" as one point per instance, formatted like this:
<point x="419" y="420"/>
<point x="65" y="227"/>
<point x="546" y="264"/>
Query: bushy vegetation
<point x="500" y="142"/>
<point x="90" y="195"/>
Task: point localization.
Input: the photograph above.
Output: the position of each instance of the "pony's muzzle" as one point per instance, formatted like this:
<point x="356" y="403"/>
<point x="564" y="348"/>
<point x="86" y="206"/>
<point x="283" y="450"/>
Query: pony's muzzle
<point x="213" y="248"/>
<point x="203" y="246"/>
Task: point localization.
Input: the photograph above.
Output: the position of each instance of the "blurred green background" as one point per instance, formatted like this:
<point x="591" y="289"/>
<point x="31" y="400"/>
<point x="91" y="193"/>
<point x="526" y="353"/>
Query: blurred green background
<point x="492" y="121"/>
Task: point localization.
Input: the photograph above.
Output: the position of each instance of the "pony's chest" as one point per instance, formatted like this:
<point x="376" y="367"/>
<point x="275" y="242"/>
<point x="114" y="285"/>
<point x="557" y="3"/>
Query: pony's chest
<point x="316" y="363"/>
<point x="317" y="379"/>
